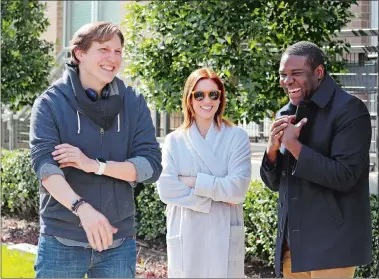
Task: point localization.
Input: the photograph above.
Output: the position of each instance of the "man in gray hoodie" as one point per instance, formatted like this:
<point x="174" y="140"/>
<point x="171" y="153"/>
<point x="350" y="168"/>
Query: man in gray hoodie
<point x="92" y="140"/>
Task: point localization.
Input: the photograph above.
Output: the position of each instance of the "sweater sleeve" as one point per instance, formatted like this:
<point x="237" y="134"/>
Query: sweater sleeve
<point x="44" y="136"/>
<point x="145" y="154"/>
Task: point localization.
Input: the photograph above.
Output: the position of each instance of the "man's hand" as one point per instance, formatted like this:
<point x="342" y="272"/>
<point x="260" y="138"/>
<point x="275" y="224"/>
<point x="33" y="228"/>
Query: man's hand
<point x="292" y="132"/>
<point x="290" y="138"/>
<point x="71" y="156"/>
<point x="276" y="133"/>
<point x="190" y="181"/>
<point x="97" y="227"/>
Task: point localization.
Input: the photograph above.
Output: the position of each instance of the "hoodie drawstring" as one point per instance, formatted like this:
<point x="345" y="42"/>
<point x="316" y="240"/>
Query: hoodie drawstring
<point x="77" y="114"/>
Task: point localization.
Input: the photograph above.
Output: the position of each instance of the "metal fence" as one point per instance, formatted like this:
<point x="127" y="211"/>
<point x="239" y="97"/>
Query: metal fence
<point x="15" y="128"/>
<point x="361" y="81"/>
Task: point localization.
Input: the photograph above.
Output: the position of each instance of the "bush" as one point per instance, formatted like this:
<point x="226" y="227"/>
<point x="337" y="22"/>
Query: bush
<point x="19" y="184"/>
<point x="260" y="217"/>
<point x="150" y="214"/>
<point x="372" y="270"/>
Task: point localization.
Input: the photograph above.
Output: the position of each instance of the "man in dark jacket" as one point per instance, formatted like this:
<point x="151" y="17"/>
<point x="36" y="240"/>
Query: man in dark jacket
<point x="318" y="159"/>
<point x="92" y="140"/>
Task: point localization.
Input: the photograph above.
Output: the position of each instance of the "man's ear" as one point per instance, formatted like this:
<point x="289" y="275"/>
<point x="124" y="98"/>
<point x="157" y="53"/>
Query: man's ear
<point x="320" y="72"/>
<point x="79" y="54"/>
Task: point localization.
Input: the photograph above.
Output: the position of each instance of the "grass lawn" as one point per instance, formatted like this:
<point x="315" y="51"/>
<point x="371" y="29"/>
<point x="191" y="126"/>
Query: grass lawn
<point x="16" y="264"/>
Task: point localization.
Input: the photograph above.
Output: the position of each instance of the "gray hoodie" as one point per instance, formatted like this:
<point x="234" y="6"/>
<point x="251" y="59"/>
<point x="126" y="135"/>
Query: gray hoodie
<point x="57" y="118"/>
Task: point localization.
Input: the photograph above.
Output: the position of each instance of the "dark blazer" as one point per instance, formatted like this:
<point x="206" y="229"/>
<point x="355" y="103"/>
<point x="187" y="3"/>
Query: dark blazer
<point x="326" y="191"/>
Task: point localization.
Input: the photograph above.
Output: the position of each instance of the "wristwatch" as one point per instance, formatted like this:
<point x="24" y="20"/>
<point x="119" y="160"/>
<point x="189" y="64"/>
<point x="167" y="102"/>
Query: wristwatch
<point x="102" y="163"/>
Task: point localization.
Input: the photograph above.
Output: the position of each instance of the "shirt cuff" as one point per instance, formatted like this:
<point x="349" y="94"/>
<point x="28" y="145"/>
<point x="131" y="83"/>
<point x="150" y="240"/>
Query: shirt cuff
<point x="143" y="168"/>
<point x="49" y="170"/>
<point x="267" y="165"/>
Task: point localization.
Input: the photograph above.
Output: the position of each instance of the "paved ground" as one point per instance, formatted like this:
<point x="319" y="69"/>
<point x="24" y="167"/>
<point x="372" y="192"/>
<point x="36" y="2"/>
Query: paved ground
<point x="256" y="160"/>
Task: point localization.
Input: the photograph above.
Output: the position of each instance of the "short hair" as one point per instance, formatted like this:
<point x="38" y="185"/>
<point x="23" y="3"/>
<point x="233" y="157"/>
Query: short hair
<point x="188" y="111"/>
<point x="315" y="56"/>
<point x="93" y="32"/>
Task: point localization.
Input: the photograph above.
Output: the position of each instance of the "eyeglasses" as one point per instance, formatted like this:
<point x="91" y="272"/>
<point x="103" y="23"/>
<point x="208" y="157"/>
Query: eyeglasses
<point x="200" y="94"/>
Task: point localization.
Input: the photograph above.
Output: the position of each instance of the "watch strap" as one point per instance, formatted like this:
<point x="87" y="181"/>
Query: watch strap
<point x="101" y="169"/>
<point x="75" y="205"/>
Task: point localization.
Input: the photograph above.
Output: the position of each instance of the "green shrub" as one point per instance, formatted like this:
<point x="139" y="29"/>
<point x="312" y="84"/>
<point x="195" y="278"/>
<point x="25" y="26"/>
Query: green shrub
<point x="150" y="213"/>
<point x="260" y="217"/>
<point x="372" y="270"/>
<point x="19" y="184"/>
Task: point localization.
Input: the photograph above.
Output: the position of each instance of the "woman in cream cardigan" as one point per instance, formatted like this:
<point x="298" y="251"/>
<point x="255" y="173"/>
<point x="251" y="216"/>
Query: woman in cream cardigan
<point x="206" y="174"/>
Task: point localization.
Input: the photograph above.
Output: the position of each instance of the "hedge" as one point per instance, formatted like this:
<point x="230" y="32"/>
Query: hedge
<point x="19" y="196"/>
<point x="19" y="184"/>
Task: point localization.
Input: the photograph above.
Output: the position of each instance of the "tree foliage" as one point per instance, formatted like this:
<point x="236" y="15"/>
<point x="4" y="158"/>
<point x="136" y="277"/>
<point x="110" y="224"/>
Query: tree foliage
<point x="26" y="59"/>
<point x="242" y="40"/>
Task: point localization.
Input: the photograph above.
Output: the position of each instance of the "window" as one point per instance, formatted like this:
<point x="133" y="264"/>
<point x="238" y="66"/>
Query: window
<point x="109" y="11"/>
<point x="78" y="13"/>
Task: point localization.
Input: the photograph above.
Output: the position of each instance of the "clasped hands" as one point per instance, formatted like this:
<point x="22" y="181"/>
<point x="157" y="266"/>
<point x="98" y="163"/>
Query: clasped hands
<point x="284" y="131"/>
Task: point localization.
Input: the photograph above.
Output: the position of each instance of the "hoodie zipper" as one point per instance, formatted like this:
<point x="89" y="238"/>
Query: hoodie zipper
<point x="101" y="130"/>
<point x="101" y="145"/>
<point x="101" y="140"/>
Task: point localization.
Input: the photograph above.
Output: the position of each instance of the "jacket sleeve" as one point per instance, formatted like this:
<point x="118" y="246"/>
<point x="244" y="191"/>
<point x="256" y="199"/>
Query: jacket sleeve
<point x="233" y="187"/>
<point x="173" y="191"/>
<point x="270" y="172"/>
<point x="43" y="136"/>
<point x="349" y="151"/>
<point x="145" y="154"/>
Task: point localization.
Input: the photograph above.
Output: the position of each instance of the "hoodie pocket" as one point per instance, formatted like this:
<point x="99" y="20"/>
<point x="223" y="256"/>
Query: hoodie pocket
<point x="55" y="210"/>
<point x="124" y="200"/>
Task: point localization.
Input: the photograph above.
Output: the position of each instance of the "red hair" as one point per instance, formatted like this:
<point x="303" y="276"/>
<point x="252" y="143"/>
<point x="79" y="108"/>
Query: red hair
<point x="188" y="111"/>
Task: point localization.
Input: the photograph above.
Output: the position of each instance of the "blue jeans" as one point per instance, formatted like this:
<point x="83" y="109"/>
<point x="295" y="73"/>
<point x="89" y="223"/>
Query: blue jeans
<point x="55" y="260"/>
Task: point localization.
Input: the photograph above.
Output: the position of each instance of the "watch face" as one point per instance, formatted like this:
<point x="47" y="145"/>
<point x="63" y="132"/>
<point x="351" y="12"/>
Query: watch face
<point x="101" y="160"/>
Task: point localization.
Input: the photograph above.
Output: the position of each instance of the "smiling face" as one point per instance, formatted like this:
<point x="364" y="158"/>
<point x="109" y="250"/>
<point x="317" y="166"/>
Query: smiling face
<point x="205" y="109"/>
<point x="100" y="63"/>
<point x="297" y="78"/>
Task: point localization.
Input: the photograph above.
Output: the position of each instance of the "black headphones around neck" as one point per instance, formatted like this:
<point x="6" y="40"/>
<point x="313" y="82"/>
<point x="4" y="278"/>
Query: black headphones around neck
<point x="93" y="96"/>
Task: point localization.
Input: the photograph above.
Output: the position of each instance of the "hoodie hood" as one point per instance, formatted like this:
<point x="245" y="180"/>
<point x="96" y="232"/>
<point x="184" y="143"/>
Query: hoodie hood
<point x="102" y="112"/>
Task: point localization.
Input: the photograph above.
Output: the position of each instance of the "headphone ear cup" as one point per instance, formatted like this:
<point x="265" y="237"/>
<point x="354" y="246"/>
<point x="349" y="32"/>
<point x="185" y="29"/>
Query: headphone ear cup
<point x="105" y="92"/>
<point x="91" y="94"/>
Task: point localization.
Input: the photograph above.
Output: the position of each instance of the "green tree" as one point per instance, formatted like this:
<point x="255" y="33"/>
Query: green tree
<point x="242" y="40"/>
<point x="26" y="59"/>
